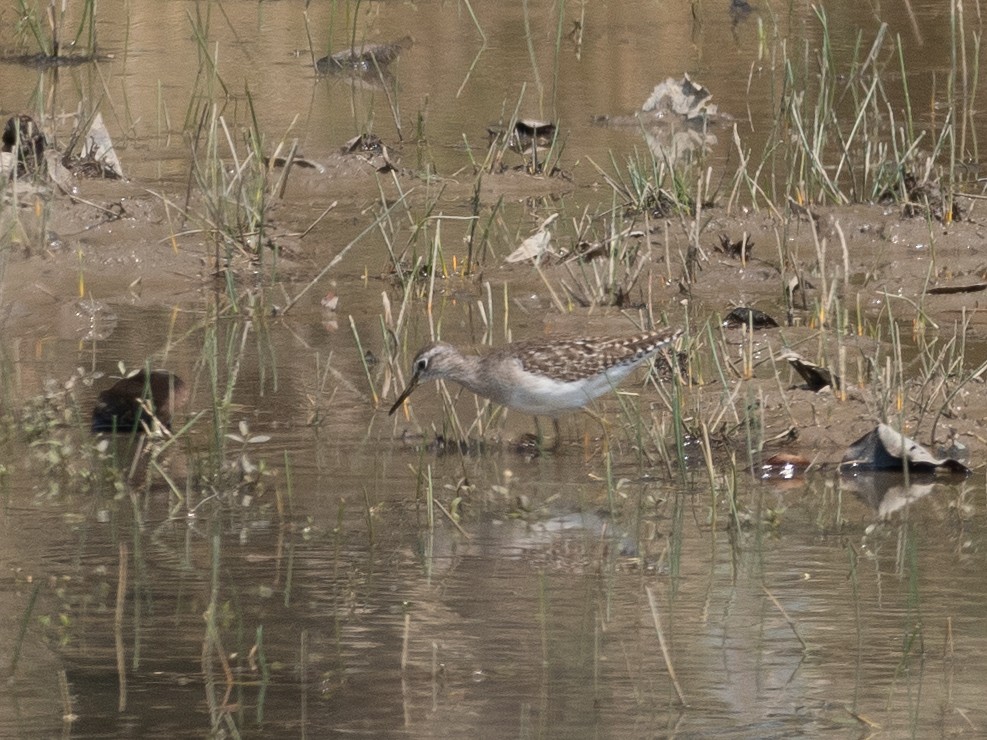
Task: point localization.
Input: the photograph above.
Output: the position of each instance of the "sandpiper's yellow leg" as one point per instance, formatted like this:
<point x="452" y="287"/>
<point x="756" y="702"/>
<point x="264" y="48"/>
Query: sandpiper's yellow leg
<point x="540" y="439"/>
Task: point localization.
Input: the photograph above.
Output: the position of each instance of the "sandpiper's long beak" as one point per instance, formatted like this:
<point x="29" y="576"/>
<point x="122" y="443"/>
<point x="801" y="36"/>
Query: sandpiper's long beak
<point x="412" y="384"/>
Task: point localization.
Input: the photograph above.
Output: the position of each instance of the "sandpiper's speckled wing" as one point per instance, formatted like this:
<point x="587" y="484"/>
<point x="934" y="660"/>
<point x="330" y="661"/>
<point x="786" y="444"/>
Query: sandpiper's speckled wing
<point x="578" y="358"/>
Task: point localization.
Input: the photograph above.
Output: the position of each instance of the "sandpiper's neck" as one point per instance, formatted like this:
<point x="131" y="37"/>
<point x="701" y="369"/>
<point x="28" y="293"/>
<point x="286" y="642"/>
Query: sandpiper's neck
<point x="467" y="370"/>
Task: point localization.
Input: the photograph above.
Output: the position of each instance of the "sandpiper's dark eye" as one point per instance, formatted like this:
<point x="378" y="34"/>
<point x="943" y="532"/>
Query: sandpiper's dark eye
<point x="421" y="366"/>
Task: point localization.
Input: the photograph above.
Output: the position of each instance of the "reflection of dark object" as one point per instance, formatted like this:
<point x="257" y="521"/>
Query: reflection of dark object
<point x="784" y="465"/>
<point x="740" y="249"/>
<point x="442" y="445"/>
<point x="366" y="60"/>
<point x="886" y="492"/>
<point x="950" y="289"/>
<point x="23" y="135"/>
<point x="740" y="9"/>
<point x="815" y="376"/>
<point x="744" y="316"/>
<point x="46" y="61"/>
<point x="121" y="408"/>
<point x="885" y="448"/>
<point x="530" y="446"/>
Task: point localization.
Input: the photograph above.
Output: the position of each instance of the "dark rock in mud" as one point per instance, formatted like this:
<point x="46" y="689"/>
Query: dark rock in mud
<point x="24" y="140"/>
<point x="816" y="377"/>
<point x="125" y="406"/>
<point x="745" y="316"/>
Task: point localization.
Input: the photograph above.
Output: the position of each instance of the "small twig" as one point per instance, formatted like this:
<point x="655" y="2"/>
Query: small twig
<point x="342" y="253"/>
<point x="316" y="221"/>
<point x="118" y="628"/>
<point x="405" y="640"/>
<point x="791" y="622"/>
<point x="664" y="647"/>
<point x="449" y="516"/>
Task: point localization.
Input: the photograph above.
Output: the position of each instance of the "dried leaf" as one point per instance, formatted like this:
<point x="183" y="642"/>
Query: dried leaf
<point x="815" y="376"/>
<point x="99" y="147"/>
<point x="885" y="448"/>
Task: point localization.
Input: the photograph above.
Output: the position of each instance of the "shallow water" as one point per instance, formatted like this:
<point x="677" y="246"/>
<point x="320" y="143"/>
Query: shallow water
<point x="318" y="595"/>
<point x="522" y="622"/>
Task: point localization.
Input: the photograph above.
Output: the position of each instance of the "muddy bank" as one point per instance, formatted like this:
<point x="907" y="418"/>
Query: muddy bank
<point x="833" y="281"/>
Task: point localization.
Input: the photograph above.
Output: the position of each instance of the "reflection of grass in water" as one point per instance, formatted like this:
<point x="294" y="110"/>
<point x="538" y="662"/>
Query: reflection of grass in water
<point x="45" y="28"/>
<point x="607" y="268"/>
<point x="836" y="139"/>
<point x="71" y="461"/>
<point x="234" y="497"/>
<point x="225" y="345"/>
<point x="841" y="137"/>
<point x="231" y="184"/>
<point x="232" y="196"/>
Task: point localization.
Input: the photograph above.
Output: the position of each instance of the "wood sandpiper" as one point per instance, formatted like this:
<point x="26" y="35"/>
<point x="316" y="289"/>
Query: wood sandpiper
<point x="546" y="377"/>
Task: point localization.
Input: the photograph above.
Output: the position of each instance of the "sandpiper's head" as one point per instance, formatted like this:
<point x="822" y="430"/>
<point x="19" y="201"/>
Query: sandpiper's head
<point x="432" y="361"/>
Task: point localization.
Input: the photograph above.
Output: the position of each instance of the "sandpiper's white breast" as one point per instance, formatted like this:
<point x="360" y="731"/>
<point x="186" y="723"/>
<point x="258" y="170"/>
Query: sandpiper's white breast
<point x="540" y="395"/>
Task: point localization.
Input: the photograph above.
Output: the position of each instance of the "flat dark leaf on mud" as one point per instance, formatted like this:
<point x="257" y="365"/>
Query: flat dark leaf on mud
<point x="885" y="448"/>
<point x="950" y="289"/>
<point x="296" y="161"/>
<point x="746" y="316"/>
